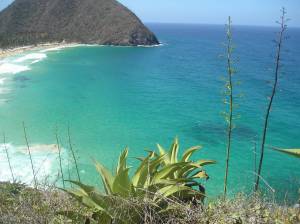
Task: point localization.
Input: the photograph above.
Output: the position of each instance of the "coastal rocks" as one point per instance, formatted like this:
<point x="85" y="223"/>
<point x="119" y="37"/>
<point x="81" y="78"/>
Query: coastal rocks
<point x="107" y="22"/>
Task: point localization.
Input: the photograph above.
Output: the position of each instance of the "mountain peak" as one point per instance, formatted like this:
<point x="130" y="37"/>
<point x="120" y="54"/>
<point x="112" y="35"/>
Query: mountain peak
<point x="107" y="22"/>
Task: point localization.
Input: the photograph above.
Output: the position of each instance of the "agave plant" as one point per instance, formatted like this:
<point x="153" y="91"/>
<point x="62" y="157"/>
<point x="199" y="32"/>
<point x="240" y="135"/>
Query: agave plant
<point x="171" y="157"/>
<point x="191" y="171"/>
<point x="292" y="152"/>
<point x="157" y="177"/>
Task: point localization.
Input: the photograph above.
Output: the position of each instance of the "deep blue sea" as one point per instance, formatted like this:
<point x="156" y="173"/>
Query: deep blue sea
<point x="114" y="97"/>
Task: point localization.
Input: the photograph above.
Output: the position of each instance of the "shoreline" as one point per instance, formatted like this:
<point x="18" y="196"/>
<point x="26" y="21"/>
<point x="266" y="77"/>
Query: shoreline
<point x="56" y="45"/>
<point x="4" y="53"/>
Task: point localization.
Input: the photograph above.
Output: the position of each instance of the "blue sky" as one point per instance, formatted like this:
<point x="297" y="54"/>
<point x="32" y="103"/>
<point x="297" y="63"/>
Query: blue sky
<point x="243" y="12"/>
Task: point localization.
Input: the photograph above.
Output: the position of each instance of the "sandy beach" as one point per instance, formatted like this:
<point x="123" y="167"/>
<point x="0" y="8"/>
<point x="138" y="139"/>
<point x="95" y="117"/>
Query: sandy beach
<point x="46" y="47"/>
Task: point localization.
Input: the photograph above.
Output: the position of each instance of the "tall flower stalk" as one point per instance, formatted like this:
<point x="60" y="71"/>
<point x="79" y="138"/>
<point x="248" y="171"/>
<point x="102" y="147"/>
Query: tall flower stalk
<point x="30" y="157"/>
<point x="60" y="158"/>
<point x="229" y="101"/>
<point x="279" y="42"/>
<point x="73" y="154"/>
<point x="8" y="158"/>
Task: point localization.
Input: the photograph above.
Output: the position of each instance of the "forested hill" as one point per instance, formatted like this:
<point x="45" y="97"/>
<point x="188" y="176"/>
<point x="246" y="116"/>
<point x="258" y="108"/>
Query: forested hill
<point x="108" y="22"/>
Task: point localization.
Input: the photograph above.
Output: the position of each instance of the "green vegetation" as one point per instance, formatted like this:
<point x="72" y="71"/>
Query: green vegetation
<point x="60" y="159"/>
<point x="279" y="42"/>
<point x="292" y="152"/>
<point x="229" y="100"/>
<point x="8" y="158"/>
<point x="23" y="205"/>
<point x="164" y="187"/>
<point x="103" y="22"/>
<point x="73" y="154"/>
<point x="30" y="157"/>
<point x="158" y="178"/>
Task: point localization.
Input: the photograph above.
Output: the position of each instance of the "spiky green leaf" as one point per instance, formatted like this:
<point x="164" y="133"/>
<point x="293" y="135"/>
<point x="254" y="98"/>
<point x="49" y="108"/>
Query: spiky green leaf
<point x="201" y="175"/>
<point x="106" y="176"/>
<point x="122" y="160"/>
<point x="174" y="151"/>
<point x="122" y="185"/>
<point x="189" y="152"/>
<point x="292" y="152"/>
<point x="167" y="171"/>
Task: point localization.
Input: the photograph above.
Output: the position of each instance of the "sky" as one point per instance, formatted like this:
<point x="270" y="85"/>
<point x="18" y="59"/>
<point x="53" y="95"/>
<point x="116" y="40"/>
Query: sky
<point x="243" y="12"/>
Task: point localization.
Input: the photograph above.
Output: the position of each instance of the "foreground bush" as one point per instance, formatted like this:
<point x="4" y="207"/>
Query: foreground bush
<point x="159" y="177"/>
<point x="20" y="204"/>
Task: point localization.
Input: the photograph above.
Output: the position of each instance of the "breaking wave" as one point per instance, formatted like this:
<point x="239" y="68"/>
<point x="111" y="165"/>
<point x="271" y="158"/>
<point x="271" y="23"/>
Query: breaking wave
<point x="13" y="65"/>
<point x="31" y="57"/>
<point x="10" y="68"/>
<point x="44" y="157"/>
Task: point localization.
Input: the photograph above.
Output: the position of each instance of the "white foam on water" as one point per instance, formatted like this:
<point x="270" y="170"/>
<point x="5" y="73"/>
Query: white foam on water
<point x="2" y="81"/>
<point x="58" y="48"/>
<point x="35" y="61"/>
<point x="155" y="45"/>
<point x="3" y="90"/>
<point x="12" y="65"/>
<point x="15" y="64"/>
<point x="45" y="162"/>
<point x="33" y="56"/>
<point x="10" y="68"/>
<point x="52" y="49"/>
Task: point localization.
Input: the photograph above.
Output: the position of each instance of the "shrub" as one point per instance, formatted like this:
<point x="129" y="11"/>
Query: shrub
<point x="158" y="178"/>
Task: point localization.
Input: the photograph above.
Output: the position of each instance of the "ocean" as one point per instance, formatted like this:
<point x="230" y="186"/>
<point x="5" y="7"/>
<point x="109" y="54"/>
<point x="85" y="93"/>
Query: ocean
<point x="113" y="97"/>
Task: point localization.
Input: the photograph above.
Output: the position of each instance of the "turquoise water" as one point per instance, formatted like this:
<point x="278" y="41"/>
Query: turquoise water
<point x="114" y="97"/>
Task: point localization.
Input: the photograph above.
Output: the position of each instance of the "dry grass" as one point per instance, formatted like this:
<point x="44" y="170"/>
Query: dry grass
<point x="241" y="209"/>
<point x="20" y="204"/>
